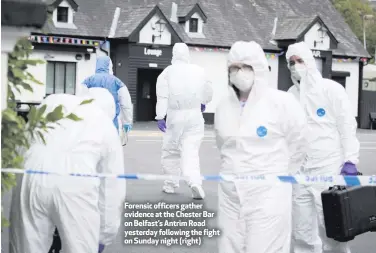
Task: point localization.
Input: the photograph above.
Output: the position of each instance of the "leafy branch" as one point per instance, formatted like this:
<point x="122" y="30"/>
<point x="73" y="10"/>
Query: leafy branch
<point x="16" y="133"/>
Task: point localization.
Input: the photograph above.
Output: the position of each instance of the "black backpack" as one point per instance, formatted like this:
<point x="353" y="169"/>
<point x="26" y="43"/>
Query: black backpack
<point x="56" y="243"/>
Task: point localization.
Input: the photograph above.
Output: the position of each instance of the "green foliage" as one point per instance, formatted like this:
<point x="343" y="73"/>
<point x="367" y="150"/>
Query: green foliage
<point x="16" y="134"/>
<point x="353" y="12"/>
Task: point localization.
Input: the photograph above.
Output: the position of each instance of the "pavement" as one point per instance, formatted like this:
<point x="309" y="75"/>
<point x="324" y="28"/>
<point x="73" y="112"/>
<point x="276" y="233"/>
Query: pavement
<point x="142" y="155"/>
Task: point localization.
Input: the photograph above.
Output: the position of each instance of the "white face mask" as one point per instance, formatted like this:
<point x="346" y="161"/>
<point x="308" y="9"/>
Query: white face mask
<point x="243" y="79"/>
<point x="298" y="71"/>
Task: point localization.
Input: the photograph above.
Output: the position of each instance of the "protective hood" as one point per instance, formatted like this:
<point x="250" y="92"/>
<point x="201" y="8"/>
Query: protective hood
<point x="104" y="65"/>
<point x="180" y="52"/>
<point x="301" y="49"/>
<point x="103" y="99"/>
<point x="68" y="101"/>
<point x="251" y="54"/>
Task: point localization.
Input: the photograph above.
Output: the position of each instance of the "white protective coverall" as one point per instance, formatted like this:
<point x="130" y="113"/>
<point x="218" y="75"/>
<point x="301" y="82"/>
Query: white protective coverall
<point x="181" y="89"/>
<point x="253" y="141"/>
<point x="86" y="211"/>
<point x="104" y="78"/>
<point x="331" y="142"/>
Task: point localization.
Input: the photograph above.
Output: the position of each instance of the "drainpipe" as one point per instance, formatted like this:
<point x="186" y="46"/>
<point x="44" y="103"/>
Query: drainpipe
<point x="113" y="27"/>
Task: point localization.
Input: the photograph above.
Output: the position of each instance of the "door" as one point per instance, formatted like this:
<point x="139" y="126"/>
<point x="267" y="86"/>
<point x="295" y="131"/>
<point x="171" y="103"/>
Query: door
<point x="146" y="94"/>
<point x="340" y="79"/>
<point x="367" y="103"/>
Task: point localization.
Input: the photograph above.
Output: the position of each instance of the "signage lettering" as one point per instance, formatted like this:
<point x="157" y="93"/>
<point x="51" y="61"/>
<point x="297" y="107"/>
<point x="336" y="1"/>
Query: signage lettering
<point x="316" y="54"/>
<point x="155" y="52"/>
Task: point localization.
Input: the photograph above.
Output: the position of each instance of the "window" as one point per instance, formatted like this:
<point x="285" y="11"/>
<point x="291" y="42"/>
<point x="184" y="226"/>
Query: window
<point x="62" y="14"/>
<point x="61" y="77"/>
<point x="193" y="25"/>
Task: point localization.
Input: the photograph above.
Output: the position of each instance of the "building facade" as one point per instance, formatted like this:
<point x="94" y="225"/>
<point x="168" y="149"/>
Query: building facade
<point x="141" y="34"/>
<point x="67" y="61"/>
<point x="15" y="25"/>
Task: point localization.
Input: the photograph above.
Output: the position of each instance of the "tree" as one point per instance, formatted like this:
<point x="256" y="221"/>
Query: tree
<point x="353" y="12"/>
<point x="16" y="134"/>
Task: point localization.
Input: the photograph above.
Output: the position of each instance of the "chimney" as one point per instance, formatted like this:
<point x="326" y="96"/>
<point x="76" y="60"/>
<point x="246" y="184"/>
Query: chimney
<point x="174" y="12"/>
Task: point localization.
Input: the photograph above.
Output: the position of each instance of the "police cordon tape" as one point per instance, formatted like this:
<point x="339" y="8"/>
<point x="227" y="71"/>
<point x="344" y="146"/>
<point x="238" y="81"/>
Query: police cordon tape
<point x="259" y="179"/>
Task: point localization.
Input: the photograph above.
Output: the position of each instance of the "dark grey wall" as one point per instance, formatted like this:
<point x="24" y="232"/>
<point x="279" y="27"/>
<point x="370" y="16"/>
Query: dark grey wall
<point x="367" y="105"/>
<point x="367" y="102"/>
<point x="119" y="55"/>
<point x="284" y="76"/>
<point x="327" y="57"/>
<point x="131" y="58"/>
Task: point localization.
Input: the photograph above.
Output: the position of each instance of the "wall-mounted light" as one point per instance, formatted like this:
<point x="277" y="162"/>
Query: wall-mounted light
<point x="160" y="25"/>
<point x="322" y="31"/>
<point x="48" y="56"/>
<point x="90" y="50"/>
<point x="78" y="57"/>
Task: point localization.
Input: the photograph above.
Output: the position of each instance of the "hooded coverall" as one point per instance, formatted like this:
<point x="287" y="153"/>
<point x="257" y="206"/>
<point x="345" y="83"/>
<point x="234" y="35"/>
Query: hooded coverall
<point x="331" y="142"/>
<point x="103" y="78"/>
<point x="87" y="211"/>
<point x="181" y="89"/>
<point x="263" y="138"/>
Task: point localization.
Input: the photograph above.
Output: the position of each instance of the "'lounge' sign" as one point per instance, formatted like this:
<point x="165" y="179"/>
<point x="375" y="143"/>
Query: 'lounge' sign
<point x="155" y="52"/>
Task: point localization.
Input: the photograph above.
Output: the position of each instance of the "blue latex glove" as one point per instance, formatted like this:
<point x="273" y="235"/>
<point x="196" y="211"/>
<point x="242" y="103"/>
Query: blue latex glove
<point x="101" y="248"/>
<point x="127" y="128"/>
<point x="162" y="125"/>
<point x="349" y="169"/>
<point x="203" y="108"/>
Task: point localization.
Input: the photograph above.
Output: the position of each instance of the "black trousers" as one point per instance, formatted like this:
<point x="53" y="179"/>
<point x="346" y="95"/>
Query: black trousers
<point x="56" y="243"/>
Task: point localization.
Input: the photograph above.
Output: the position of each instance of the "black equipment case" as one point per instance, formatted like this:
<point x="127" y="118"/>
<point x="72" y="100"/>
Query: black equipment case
<point x="349" y="211"/>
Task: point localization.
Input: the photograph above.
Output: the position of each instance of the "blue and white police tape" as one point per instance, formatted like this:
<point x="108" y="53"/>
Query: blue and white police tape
<point x="259" y="179"/>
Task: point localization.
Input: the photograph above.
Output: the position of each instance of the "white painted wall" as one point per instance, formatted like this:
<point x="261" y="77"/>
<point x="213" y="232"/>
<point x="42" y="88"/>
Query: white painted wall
<point x="352" y="81"/>
<point x="313" y="35"/>
<point x="215" y="65"/>
<point x="9" y="38"/>
<point x="70" y="24"/>
<point x="147" y="32"/>
<point x="84" y="68"/>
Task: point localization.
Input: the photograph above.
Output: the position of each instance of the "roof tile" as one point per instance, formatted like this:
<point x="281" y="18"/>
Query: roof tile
<point x="228" y="20"/>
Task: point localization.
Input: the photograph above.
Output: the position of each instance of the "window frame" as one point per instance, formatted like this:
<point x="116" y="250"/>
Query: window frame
<point x="65" y="76"/>
<point x="191" y="27"/>
<point x="67" y="14"/>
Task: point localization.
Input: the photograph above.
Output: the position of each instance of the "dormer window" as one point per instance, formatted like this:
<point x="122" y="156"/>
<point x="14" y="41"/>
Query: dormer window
<point x="193" y="18"/>
<point x="62" y="14"/>
<point x="193" y="25"/>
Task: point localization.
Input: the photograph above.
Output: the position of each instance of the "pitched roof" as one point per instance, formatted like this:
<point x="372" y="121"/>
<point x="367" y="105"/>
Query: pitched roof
<point x="183" y="10"/>
<point x="23" y="13"/>
<point x="52" y="4"/>
<point x="295" y="27"/>
<point x="292" y="27"/>
<point x="130" y="19"/>
<point x="227" y="21"/>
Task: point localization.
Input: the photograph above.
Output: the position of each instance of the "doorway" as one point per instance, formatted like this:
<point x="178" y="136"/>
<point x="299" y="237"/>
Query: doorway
<point x="146" y="93"/>
<point x="340" y="77"/>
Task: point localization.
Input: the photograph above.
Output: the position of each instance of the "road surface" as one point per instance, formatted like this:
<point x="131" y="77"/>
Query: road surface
<point x="142" y="155"/>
